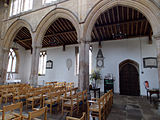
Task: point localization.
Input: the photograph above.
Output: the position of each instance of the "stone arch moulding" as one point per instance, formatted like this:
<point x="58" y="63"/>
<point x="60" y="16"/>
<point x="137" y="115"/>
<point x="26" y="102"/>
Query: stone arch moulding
<point x="53" y="16"/>
<point x="13" y="30"/>
<point x="124" y="62"/>
<point x="149" y="10"/>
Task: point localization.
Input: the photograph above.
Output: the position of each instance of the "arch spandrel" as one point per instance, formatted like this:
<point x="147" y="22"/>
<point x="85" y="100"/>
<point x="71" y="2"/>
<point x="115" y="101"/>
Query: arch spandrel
<point x="148" y="9"/>
<point x="53" y="16"/>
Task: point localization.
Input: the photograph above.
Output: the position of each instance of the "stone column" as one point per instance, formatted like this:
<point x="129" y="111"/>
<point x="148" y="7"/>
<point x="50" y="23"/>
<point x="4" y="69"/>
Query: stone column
<point x="84" y="66"/>
<point x="157" y="38"/>
<point x="3" y="64"/>
<point x="35" y="65"/>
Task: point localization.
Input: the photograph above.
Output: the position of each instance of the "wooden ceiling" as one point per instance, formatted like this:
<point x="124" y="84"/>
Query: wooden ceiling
<point x="23" y="38"/>
<point x="62" y="32"/>
<point x="131" y="22"/>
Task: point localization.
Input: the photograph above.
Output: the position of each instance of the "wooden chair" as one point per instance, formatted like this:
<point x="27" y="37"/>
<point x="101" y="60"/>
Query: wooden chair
<point x="72" y="118"/>
<point x="69" y="104"/>
<point x="74" y="90"/>
<point x="53" y="98"/>
<point x="79" y="100"/>
<point x="37" y="113"/>
<point x="12" y="115"/>
<point x="110" y="99"/>
<point x="85" y="98"/>
<point x="106" y="97"/>
<point x="68" y="94"/>
<point x="97" y="108"/>
<point x="21" y="95"/>
<point x="6" y="94"/>
<point x="0" y="101"/>
<point x="37" y="96"/>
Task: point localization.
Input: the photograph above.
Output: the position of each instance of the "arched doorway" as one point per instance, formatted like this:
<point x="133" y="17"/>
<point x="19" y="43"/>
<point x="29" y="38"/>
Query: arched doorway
<point x="129" y="78"/>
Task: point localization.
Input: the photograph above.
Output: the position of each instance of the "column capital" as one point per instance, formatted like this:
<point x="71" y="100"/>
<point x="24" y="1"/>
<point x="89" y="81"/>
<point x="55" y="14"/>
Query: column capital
<point x="36" y="46"/>
<point x="84" y="41"/>
<point x="156" y="36"/>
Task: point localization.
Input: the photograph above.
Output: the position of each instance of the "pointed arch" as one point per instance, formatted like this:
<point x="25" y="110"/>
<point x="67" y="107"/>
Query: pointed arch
<point x="147" y="9"/>
<point x="134" y="63"/>
<point x="53" y="16"/>
<point x="13" y="30"/>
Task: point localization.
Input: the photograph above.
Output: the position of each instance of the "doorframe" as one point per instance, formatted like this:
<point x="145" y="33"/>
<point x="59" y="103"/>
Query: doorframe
<point x="136" y="65"/>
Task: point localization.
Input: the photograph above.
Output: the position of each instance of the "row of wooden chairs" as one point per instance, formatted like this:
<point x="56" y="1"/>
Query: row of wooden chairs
<point x="100" y="107"/>
<point x="22" y="93"/>
<point x="8" y="93"/>
<point x="52" y="93"/>
<point x="55" y="97"/>
<point x="70" y="104"/>
<point x="8" y="112"/>
<point x="15" y="92"/>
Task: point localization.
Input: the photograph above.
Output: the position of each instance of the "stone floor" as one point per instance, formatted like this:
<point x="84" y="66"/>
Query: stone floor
<point x="133" y="108"/>
<point x="124" y="108"/>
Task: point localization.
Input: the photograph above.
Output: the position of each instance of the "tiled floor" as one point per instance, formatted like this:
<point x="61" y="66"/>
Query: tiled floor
<point x="124" y="108"/>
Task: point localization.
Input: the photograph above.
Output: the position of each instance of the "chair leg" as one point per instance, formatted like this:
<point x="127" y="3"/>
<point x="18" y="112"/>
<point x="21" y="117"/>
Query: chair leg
<point x="6" y="100"/>
<point x="100" y="115"/>
<point x="62" y="108"/>
<point x="26" y="104"/>
<point x="40" y="103"/>
<point x="88" y="114"/>
<point x="32" y="105"/>
<point x="71" y="111"/>
<point x="50" y="108"/>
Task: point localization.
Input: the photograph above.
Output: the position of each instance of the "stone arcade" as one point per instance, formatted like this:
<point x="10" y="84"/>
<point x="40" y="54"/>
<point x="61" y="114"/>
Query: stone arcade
<point x="60" y="26"/>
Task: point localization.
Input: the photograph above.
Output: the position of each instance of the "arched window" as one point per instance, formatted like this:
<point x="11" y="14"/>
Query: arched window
<point x="18" y="6"/>
<point x="42" y="63"/>
<point x="48" y="1"/>
<point x="12" y="60"/>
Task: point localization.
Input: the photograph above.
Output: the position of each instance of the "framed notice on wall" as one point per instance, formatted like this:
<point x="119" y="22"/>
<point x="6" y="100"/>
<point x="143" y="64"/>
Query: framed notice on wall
<point x="150" y="62"/>
<point x="49" y="64"/>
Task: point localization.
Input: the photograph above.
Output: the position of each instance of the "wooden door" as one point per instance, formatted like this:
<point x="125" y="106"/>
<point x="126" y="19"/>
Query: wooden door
<point x="129" y="80"/>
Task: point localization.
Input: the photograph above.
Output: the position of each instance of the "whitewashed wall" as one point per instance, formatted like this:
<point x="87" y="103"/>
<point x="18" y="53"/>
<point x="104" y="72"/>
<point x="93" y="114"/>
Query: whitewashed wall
<point x="117" y="51"/>
<point x="60" y="71"/>
<point x="114" y="52"/>
<point x="24" y="66"/>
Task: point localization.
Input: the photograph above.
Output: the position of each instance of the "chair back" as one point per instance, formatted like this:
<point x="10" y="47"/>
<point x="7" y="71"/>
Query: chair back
<point x="38" y="113"/>
<point x="11" y="108"/>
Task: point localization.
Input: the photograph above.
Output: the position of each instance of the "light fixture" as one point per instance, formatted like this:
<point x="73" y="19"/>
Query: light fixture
<point x="119" y="35"/>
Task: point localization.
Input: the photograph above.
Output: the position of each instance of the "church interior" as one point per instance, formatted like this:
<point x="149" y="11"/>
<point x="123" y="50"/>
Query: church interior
<point x="80" y="59"/>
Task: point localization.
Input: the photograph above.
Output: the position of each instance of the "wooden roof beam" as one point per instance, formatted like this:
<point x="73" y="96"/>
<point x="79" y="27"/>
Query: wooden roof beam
<point x="27" y="46"/>
<point x="60" y="33"/>
<point x="121" y="23"/>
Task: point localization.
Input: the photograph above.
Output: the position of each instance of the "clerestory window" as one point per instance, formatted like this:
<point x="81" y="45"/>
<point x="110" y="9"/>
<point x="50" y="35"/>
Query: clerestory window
<point x="48" y="1"/>
<point x="18" y="6"/>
